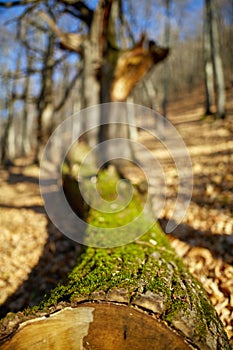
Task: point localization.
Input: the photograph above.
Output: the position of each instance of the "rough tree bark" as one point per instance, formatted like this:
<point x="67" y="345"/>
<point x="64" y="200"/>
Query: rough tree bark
<point x="135" y="296"/>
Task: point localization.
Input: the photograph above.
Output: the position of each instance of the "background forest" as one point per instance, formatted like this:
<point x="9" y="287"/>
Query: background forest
<point x="43" y="79"/>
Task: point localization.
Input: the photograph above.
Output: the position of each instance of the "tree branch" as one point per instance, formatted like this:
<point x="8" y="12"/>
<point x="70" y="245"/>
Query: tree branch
<point x="133" y="65"/>
<point x="79" y="10"/>
<point x="69" y="41"/>
<point x="17" y="3"/>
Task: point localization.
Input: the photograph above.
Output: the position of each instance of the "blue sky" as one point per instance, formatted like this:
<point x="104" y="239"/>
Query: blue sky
<point x="196" y="4"/>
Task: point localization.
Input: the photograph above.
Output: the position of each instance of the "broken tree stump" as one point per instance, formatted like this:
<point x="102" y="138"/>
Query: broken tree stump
<point x="135" y="296"/>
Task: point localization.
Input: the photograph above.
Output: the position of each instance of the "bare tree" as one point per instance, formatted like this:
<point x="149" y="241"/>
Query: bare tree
<point x="167" y="43"/>
<point x="109" y="73"/>
<point x="8" y="151"/>
<point x="212" y="42"/>
<point x="45" y="101"/>
<point x="25" y="147"/>
<point x="209" y="67"/>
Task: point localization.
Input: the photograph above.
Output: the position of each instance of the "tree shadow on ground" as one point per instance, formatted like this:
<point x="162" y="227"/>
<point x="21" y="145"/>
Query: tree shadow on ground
<point x="214" y="182"/>
<point x="36" y="208"/>
<point x="220" y="245"/>
<point x="15" y="175"/>
<point x="17" y="178"/>
<point x="57" y="260"/>
<point x="58" y="256"/>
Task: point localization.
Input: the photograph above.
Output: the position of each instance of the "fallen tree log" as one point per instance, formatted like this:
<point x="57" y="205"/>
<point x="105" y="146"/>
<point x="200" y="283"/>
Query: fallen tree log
<point x="136" y="296"/>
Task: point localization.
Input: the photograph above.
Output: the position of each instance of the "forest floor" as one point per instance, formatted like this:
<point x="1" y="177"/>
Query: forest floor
<point x="35" y="256"/>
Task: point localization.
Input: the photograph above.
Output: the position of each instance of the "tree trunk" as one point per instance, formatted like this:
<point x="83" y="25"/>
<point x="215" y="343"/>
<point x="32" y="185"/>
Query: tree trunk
<point x="166" y="67"/>
<point x="45" y="103"/>
<point x="91" y="90"/>
<point x="134" y="296"/>
<point x="8" y="151"/>
<point x="208" y="65"/>
<point x="218" y="66"/>
<point x="94" y="49"/>
<point x="25" y="147"/>
<point x="216" y="57"/>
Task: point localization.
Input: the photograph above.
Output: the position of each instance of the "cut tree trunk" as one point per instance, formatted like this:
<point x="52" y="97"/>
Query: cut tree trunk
<point x="136" y="296"/>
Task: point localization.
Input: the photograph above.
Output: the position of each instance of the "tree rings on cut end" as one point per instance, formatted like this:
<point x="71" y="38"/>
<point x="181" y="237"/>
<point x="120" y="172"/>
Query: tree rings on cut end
<point x="94" y="326"/>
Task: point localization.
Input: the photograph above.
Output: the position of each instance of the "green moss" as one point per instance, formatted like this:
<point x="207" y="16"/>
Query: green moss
<point x="150" y="262"/>
<point x="147" y="264"/>
<point x="116" y="205"/>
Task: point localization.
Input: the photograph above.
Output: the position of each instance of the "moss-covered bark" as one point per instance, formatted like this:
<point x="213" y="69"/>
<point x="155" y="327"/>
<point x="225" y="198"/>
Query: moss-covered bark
<point x="145" y="275"/>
